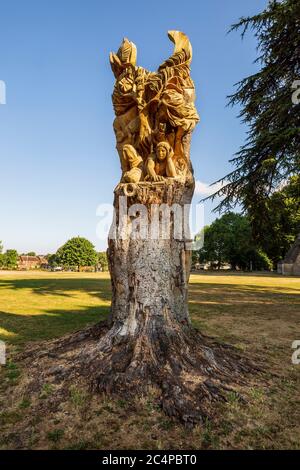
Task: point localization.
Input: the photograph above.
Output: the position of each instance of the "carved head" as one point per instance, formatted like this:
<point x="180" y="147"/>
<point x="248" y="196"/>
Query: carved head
<point x="127" y="52"/>
<point x="126" y="56"/>
<point x="163" y="151"/>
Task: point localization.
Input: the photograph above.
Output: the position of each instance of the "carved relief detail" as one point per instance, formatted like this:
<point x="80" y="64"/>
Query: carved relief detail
<point x="155" y="113"/>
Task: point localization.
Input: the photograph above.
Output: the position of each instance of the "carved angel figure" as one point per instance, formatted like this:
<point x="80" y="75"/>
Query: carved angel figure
<point x="152" y="107"/>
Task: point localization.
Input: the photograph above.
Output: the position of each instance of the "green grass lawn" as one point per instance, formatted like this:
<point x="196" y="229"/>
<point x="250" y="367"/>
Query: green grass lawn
<point x="258" y="314"/>
<point x="38" y="305"/>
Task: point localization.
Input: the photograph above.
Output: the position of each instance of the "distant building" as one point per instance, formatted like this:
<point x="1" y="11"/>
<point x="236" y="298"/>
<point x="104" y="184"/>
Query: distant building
<point x="32" y="262"/>
<point x="201" y="266"/>
<point x="212" y="265"/>
<point x="290" y="265"/>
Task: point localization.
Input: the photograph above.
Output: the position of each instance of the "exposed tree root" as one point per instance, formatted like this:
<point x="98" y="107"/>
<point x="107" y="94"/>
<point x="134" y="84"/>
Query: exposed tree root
<point x="189" y="371"/>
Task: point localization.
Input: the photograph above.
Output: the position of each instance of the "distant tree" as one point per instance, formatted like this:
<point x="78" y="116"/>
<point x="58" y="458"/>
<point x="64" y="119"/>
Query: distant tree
<point x="258" y="259"/>
<point x="77" y="251"/>
<point x="102" y="260"/>
<point x="53" y="260"/>
<point x="271" y="153"/>
<point x="1" y="255"/>
<point x="31" y="253"/>
<point x="229" y="240"/>
<point x="10" y="259"/>
<point x="279" y="222"/>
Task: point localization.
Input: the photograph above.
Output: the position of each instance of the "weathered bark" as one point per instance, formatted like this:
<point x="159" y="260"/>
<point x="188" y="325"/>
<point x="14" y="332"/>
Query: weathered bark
<point x="150" y="276"/>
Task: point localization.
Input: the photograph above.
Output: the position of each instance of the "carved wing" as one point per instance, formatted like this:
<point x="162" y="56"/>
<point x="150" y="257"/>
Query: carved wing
<point x="182" y="54"/>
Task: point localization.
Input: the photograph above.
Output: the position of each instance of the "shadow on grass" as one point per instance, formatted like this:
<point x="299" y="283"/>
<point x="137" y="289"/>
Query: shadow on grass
<point x="64" y="287"/>
<point x="247" y="291"/>
<point x="206" y="301"/>
<point x="263" y="316"/>
<point x="243" y="300"/>
<point x="50" y="322"/>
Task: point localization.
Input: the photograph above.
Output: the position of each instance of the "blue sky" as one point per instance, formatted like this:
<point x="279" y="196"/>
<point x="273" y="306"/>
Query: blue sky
<point x="57" y="147"/>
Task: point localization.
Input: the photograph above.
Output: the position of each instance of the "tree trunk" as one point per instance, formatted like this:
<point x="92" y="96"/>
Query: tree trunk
<point x="150" y="276"/>
<point x="151" y="342"/>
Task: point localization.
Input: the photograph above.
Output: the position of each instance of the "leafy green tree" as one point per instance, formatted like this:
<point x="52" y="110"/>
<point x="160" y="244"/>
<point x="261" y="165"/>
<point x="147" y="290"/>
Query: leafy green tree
<point x="10" y="259"/>
<point x="31" y="253"/>
<point x="77" y="251"/>
<point x="229" y="240"/>
<point x="271" y="153"/>
<point x="53" y="260"/>
<point x="1" y="255"/>
<point x="102" y="260"/>
<point x="259" y="260"/>
<point x="279" y="222"/>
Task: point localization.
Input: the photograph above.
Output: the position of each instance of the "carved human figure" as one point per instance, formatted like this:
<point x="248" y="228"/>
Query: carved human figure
<point x="132" y="165"/>
<point x="160" y="164"/>
<point x="151" y="107"/>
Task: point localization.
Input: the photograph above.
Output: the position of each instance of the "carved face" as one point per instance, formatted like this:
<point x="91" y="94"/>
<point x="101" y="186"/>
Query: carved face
<point x="161" y="152"/>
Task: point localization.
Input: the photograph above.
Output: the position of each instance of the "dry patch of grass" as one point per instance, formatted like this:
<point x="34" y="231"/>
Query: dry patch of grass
<point x="259" y="314"/>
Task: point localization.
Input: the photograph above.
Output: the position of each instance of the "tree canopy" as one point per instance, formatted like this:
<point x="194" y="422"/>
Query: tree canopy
<point x="279" y="221"/>
<point x="77" y="251"/>
<point x="102" y="260"/>
<point x="229" y="240"/>
<point x="271" y="152"/>
<point x="9" y="259"/>
<point x="1" y="255"/>
<point x="53" y="260"/>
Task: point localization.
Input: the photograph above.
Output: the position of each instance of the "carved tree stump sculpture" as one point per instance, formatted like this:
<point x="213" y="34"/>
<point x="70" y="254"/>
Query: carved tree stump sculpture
<point x="149" y="342"/>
